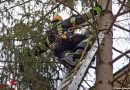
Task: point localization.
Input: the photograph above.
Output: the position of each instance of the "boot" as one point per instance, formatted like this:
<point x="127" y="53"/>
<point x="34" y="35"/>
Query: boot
<point x="78" y="53"/>
<point x="68" y="61"/>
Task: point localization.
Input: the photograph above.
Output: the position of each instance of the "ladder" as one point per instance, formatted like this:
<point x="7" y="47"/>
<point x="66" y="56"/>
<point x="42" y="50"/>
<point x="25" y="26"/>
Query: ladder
<point x="81" y="72"/>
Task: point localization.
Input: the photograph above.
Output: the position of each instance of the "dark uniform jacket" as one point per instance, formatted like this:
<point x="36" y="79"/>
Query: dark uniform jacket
<point x="67" y="41"/>
<point x="60" y="28"/>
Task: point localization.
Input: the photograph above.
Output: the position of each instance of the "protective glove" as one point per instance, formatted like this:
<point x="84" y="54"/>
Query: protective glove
<point x="52" y="46"/>
<point x="98" y="9"/>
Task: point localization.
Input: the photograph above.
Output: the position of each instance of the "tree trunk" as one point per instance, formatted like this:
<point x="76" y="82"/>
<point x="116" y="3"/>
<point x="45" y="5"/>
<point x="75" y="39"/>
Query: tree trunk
<point x="104" y="75"/>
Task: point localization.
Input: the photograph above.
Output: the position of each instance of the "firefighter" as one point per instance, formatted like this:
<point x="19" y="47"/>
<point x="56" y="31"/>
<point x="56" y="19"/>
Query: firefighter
<point x="60" y="38"/>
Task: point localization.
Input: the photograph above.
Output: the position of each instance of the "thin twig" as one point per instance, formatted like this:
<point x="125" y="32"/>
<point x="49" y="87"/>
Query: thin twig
<point x="17" y="5"/>
<point x="121" y="28"/>
<point x="120" y="56"/>
<point x="116" y="16"/>
<point x="120" y="52"/>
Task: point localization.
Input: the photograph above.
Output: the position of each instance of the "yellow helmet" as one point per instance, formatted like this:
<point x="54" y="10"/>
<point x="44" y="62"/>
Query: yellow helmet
<point x="57" y="17"/>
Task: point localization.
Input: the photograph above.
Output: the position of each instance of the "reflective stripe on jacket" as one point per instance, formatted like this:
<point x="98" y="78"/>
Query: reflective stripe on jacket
<point x="60" y="27"/>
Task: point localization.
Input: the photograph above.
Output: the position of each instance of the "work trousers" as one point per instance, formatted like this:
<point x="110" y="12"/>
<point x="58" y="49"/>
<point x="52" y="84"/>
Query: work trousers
<point x="68" y="44"/>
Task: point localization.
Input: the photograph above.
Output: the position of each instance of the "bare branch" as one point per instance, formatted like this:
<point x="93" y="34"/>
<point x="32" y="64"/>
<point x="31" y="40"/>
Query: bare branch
<point x="116" y="15"/>
<point x="120" y="52"/>
<point x="122" y="13"/>
<point x="17" y="5"/>
<point x="120" y="56"/>
<point x="2" y="1"/>
<point x="121" y="28"/>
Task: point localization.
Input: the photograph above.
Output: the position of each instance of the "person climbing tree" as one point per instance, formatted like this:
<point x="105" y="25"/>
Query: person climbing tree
<point x="60" y="38"/>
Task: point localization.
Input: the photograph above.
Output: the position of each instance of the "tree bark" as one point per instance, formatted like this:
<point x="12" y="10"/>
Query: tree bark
<point x="104" y="68"/>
